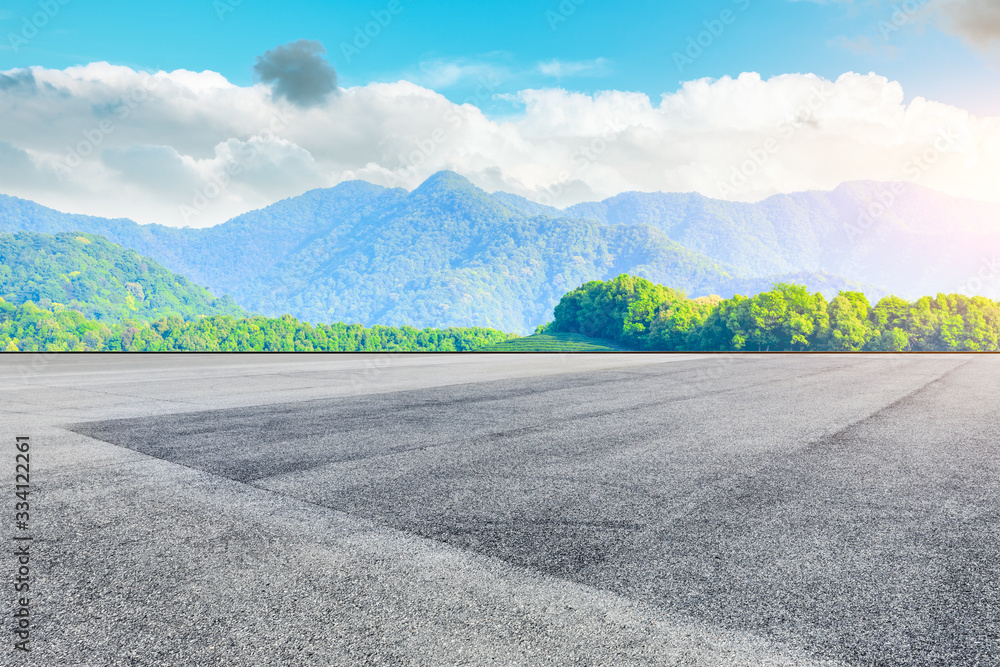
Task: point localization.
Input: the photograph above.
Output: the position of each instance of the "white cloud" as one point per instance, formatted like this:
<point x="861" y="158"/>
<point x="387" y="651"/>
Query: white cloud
<point x="561" y="68"/>
<point x="157" y="147"/>
<point x="442" y="74"/>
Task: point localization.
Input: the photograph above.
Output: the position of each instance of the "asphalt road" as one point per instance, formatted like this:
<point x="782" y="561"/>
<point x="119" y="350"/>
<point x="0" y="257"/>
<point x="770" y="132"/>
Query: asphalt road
<point x="514" y="509"/>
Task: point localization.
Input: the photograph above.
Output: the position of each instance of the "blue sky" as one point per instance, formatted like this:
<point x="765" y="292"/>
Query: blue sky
<point x="447" y="45"/>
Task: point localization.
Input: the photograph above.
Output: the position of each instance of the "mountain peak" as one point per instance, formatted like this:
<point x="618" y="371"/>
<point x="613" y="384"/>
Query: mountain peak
<point x="446" y="182"/>
<point x="355" y="188"/>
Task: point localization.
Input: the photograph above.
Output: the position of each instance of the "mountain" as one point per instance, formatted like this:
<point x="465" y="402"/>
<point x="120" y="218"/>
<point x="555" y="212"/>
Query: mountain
<point x="904" y="238"/>
<point x="450" y="254"/>
<point x="526" y="207"/>
<point x="104" y="281"/>
<point x="446" y="254"/>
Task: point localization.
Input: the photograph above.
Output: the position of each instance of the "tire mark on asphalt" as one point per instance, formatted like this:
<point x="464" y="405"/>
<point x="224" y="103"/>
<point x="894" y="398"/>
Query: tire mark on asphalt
<point x="362" y="409"/>
<point x="814" y="447"/>
<point x="550" y="423"/>
<point x="761" y="491"/>
<point x="833" y="437"/>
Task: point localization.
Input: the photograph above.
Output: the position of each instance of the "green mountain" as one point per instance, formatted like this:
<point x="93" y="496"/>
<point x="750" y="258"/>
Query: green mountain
<point x="449" y="254"/>
<point x="102" y="280"/>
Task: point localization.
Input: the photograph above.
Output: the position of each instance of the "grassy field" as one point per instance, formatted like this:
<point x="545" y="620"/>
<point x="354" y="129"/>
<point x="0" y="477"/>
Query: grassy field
<point x="555" y="342"/>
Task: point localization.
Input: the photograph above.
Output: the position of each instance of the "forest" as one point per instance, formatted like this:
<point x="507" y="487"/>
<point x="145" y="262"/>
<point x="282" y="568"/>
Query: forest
<point x="641" y="315"/>
<point x="629" y="313"/>
<point x="102" y="280"/>
<point x="28" y="328"/>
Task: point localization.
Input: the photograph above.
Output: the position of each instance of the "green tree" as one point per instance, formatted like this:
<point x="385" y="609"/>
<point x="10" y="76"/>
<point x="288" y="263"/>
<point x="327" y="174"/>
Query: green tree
<point x="850" y="323"/>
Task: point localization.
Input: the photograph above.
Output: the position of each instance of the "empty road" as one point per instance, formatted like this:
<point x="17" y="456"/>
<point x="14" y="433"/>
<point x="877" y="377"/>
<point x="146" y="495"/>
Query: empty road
<point x="518" y="509"/>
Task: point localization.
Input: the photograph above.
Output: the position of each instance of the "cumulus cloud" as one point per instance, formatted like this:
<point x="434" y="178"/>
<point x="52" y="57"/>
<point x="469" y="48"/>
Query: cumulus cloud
<point x="150" y="167"/>
<point x="15" y="79"/>
<point x="18" y="169"/>
<point x="298" y="72"/>
<point x="192" y="148"/>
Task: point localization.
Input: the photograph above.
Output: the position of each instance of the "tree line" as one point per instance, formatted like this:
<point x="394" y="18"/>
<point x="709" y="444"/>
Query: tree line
<point x="641" y="315"/>
<point x="632" y="312"/>
<point x="28" y="328"/>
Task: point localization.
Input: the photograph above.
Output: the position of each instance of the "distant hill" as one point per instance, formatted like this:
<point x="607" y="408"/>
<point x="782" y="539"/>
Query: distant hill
<point x="900" y="237"/>
<point x="449" y="254"/>
<point x="104" y="281"/>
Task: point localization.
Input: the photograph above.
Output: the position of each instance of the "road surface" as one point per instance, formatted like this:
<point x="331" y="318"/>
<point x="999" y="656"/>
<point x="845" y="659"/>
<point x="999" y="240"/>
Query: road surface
<point x="510" y="509"/>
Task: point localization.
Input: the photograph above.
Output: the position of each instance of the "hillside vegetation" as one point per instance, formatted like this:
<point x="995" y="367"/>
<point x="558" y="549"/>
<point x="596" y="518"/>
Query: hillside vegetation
<point x="105" y="282"/>
<point x="641" y="315"/>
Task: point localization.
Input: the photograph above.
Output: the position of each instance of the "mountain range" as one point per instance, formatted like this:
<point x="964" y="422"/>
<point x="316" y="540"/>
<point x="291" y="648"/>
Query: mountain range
<point x="450" y="254"/>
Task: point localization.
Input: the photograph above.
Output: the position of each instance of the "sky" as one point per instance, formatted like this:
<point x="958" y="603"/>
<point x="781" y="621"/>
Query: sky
<point x="192" y="111"/>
